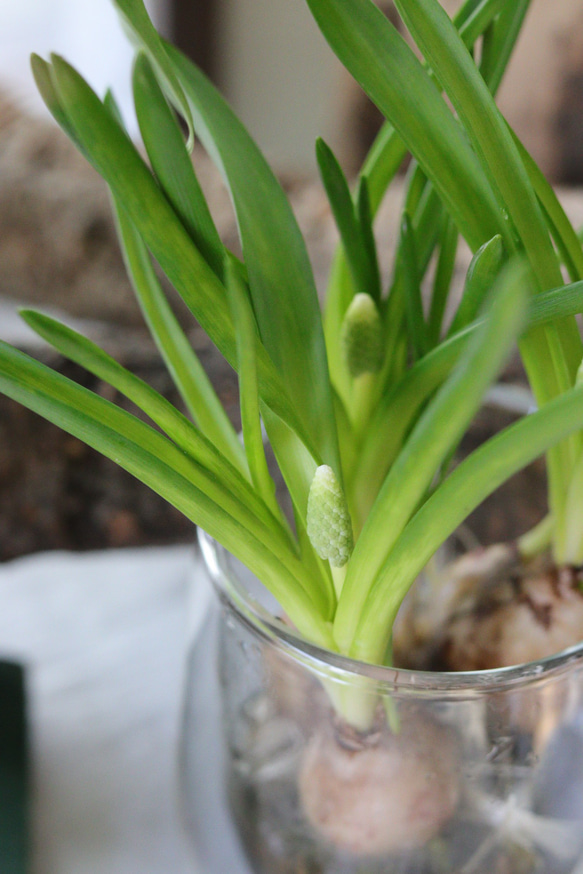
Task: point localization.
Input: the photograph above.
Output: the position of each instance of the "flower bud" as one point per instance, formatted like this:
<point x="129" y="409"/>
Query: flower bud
<point x="361" y="337"/>
<point x="328" y="522"/>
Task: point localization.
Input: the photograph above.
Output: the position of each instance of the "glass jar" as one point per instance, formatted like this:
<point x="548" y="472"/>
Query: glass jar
<point x="472" y="773"/>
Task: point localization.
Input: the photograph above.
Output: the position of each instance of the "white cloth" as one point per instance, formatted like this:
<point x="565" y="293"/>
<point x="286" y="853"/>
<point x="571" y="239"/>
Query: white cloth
<point x="104" y="638"/>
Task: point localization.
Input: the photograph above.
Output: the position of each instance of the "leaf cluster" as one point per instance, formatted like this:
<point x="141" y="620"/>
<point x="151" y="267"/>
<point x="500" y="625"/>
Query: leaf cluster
<point x="379" y="390"/>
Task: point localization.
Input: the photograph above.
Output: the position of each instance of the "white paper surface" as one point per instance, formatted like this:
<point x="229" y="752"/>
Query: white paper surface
<point x="104" y="638"/>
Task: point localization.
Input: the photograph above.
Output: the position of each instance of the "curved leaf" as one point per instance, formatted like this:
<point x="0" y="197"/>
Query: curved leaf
<point x="439" y="428"/>
<point x="387" y="69"/>
<point x="155" y="461"/>
<point x="470" y="483"/>
<point x="181" y="431"/>
<point x="137" y="20"/>
<point x="172" y="164"/>
<point x="108" y="148"/>
<point x="280" y="276"/>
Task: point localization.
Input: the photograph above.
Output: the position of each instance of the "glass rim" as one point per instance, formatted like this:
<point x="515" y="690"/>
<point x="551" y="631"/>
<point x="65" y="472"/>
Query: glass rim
<point x="247" y="609"/>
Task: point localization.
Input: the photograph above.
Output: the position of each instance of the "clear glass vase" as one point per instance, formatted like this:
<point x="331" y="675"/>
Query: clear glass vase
<point x="298" y="761"/>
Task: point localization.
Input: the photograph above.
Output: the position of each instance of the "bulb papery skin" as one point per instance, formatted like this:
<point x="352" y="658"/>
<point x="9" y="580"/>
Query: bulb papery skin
<point x="498" y="614"/>
<point x="383" y="794"/>
<point x="328" y="520"/>
<point x="362" y="337"/>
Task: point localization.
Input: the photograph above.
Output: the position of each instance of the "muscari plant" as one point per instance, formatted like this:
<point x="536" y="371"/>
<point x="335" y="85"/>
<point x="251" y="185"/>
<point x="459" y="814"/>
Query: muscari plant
<point x="364" y="406"/>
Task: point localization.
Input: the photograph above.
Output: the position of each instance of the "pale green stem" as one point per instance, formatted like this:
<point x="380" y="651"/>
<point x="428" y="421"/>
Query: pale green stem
<point x="338" y="576"/>
<point x="363" y="396"/>
<point x="537" y="539"/>
<point x="568" y="546"/>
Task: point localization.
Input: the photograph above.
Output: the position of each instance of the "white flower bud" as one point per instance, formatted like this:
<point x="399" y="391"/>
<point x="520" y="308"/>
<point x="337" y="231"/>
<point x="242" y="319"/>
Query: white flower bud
<point x="328" y="523"/>
<point x="362" y="336"/>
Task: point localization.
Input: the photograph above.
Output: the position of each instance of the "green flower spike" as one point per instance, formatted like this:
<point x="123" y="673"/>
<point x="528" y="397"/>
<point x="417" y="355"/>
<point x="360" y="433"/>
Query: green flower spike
<point x="329" y="525"/>
<point x="362" y="340"/>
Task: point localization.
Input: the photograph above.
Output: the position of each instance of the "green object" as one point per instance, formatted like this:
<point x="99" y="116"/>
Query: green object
<point x="329" y="526"/>
<point x="364" y="406"/>
<point x="362" y="336"/>
<point x="13" y="770"/>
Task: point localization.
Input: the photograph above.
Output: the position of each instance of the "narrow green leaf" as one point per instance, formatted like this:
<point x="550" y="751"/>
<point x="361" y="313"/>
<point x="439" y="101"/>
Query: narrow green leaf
<point x="156" y="462"/>
<point x="471" y="26"/>
<point x="483" y="270"/>
<point x="109" y="429"/>
<point x="561" y="228"/>
<point x="181" y="360"/>
<point x="365" y="220"/>
<point x="358" y="255"/>
<point x="505" y="32"/>
<point x="281" y="282"/>
<point x="398" y="410"/>
<point x="426" y="226"/>
<point x="118" y="161"/>
<point x="470" y="483"/>
<point x="387" y="69"/>
<point x="172" y="164"/>
<point x="41" y="70"/>
<point x="416" y="184"/>
<point x="137" y="20"/>
<point x="178" y="428"/>
<point x="438" y="39"/>
<point x="382" y="163"/>
<point x="248" y="388"/>
<point x="381" y="166"/>
<point x="551" y="353"/>
<point x="558" y="303"/>
<point x="443" y="277"/>
<point x="411" y="279"/>
<point x="440" y="427"/>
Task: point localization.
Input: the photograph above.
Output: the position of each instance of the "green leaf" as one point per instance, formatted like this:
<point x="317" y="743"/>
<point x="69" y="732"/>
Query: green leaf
<point x="472" y="24"/>
<point x="180" y="358"/>
<point x="387" y="69"/>
<point x="281" y="282"/>
<point x="118" y="161"/>
<point x="385" y="157"/>
<point x="398" y="410"/>
<point x="137" y="20"/>
<point x="248" y="388"/>
<point x="438" y="39"/>
<point x="381" y="166"/>
<point x="498" y="50"/>
<point x="411" y="278"/>
<point x="159" y="464"/>
<point x="443" y="276"/>
<point x="551" y="354"/>
<point x="470" y="483"/>
<point x="438" y="429"/>
<point x="561" y="228"/>
<point x="365" y="217"/>
<point x="426" y="226"/>
<point x="558" y="303"/>
<point x="483" y="270"/>
<point x="41" y="70"/>
<point x="361" y="261"/>
<point x="172" y="164"/>
<point x="180" y="430"/>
